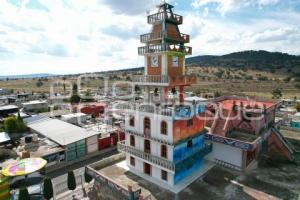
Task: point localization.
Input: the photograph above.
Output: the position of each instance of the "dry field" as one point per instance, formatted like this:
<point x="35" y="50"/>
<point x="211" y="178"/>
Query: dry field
<point x="232" y="82"/>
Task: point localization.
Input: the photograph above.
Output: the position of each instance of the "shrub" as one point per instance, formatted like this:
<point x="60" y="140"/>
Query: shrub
<point x="71" y="181"/>
<point x="87" y="178"/>
<point x="24" y="195"/>
<point x="48" y="188"/>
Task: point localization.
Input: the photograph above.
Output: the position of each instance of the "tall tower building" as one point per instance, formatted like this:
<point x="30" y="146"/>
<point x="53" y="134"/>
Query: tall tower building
<point x="164" y="137"/>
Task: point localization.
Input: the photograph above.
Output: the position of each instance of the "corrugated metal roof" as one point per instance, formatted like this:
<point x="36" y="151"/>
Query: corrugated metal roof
<point x="58" y="131"/>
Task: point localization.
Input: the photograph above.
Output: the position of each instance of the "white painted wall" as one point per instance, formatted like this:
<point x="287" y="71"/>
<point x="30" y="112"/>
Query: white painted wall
<point x="156" y="172"/>
<point x="155" y="124"/>
<point x="92" y="144"/>
<point x="226" y="153"/>
<point x="155" y="146"/>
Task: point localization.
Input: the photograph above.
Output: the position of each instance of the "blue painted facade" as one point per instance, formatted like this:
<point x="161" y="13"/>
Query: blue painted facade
<point x="191" y="164"/>
<point x="182" y="151"/>
<point x="188" y="156"/>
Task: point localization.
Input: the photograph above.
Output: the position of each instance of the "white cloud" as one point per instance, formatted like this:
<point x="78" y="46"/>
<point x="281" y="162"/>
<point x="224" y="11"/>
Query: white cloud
<point x="79" y="36"/>
<point x="224" y="6"/>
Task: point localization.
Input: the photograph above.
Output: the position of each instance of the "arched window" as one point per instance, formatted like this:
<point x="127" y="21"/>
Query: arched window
<point x="131" y="121"/>
<point x="132" y="140"/>
<point x="164" y="128"/>
<point x="147" y="126"/>
<point x="163" y="151"/>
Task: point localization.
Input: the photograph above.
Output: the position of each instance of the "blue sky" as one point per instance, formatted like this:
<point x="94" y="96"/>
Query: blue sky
<point x="72" y="36"/>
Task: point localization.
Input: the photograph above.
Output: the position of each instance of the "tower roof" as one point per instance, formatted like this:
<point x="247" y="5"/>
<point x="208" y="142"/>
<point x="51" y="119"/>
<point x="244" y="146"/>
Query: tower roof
<point x="165" y="6"/>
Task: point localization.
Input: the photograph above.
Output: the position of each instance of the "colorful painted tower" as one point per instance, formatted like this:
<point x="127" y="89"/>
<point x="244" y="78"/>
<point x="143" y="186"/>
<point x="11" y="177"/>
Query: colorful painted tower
<point x="165" y="138"/>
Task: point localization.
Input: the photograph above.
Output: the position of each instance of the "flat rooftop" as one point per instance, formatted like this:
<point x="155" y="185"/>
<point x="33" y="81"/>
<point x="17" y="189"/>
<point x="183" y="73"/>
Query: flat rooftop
<point x="61" y="132"/>
<point x="273" y="179"/>
<point x="241" y="136"/>
<point x="120" y="174"/>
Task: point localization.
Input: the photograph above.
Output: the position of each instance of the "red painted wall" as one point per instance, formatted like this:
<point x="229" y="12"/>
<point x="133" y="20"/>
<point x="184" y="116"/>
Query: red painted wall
<point x="182" y="131"/>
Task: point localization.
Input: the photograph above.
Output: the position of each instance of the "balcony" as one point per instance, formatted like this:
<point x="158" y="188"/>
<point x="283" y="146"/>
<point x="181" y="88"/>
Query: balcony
<point x="156" y="36"/>
<point x="159" y="17"/>
<point x="178" y="112"/>
<point x="159" y="48"/>
<point x="148" y="137"/>
<point x="146" y="156"/>
<point x="165" y="80"/>
<point x="150" y="37"/>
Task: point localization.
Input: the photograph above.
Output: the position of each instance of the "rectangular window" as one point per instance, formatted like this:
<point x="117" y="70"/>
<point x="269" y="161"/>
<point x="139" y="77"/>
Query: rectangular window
<point x="147" y="169"/>
<point x="132" y="161"/>
<point x="164" y="151"/>
<point x="164" y="175"/>
<point x="189" y="122"/>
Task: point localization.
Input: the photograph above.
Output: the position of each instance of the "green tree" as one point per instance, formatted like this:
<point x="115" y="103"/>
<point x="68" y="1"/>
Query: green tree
<point x="75" y="98"/>
<point x="277" y="93"/>
<point x="297" y="107"/>
<point x="287" y="79"/>
<point x="14" y="125"/>
<point x="24" y="195"/>
<point x="88" y="178"/>
<point x="217" y="94"/>
<point x="48" y="188"/>
<point x="39" y="83"/>
<point x="71" y="181"/>
<point x="297" y="85"/>
<point x="75" y="88"/>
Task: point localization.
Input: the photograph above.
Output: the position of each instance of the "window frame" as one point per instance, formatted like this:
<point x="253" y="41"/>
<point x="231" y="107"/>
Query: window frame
<point x="132" y="161"/>
<point x="164" y="151"/>
<point x="164" y="175"/>
<point x="132" y="140"/>
<point x="164" y="128"/>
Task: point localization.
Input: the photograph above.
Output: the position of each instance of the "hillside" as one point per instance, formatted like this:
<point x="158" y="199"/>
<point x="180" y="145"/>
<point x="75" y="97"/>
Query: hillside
<point x="260" y="60"/>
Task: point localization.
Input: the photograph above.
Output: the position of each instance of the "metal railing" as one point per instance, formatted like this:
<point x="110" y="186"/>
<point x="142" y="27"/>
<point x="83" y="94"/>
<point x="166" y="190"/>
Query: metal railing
<point x="146" y="156"/>
<point x="158" y="48"/>
<point x="148" y="136"/>
<point x="158" y="17"/>
<point x="149" y="108"/>
<point x="164" y="79"/>
<point x="151" y="79"/>
<point x="160" y="35"/>
<point x="151" y="37"/>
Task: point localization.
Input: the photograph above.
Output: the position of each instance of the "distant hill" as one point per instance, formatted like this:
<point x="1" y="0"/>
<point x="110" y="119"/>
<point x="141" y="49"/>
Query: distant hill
<point x="26" y="76"/>
<point x="262" y="60"/>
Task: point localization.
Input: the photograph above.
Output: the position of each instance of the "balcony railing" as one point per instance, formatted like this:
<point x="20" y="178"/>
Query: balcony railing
<point x="158" y="17"/>
<point x="146" y="156"/>
<point x="163" y="79"/>
<point x="148" y="108"/>
<point x="177" y="112"/>
<point x="147" y="137"/>
<point x="149" y="37"/>
<point x="158" y="48"/>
